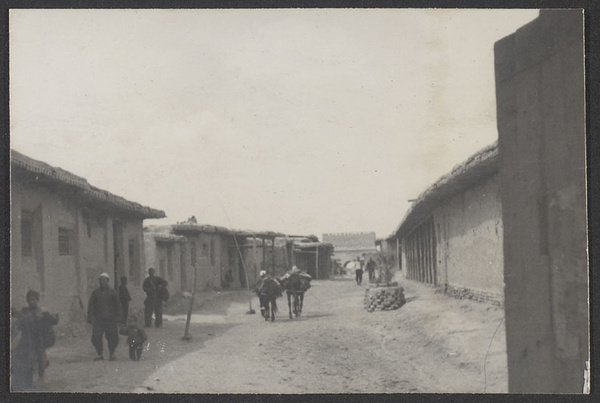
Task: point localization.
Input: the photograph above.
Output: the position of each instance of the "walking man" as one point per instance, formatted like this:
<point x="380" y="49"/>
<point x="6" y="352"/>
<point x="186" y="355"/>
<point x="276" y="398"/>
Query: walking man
<point x="371" y="269"/>
<point x="104" y="311"/>
<point x="358" y="270"/>
<point x="153" y="304"/>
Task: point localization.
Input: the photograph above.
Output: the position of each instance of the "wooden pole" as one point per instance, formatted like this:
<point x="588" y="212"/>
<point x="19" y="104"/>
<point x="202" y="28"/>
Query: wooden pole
<point x="286" y="256"/>
<point x="398" y="254"/>
<point x="292" y="253"/>
<point x="263" y="265"/>
<point x="273" y="256"/>
<point x="254" y="256"/>
<point x="186" y="334"/>
<point x="317" y="262"/>
<point x="250" y="311"/>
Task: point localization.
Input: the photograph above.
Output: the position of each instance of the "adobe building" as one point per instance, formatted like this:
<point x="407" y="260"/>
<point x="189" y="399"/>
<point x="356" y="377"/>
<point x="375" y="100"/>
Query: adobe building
<point x="174" y="251"/>
<point x="451" y="237"/>
<point x="264" y="250"/>
<point x="166" y="253"/>
<point x="541" y="124"/>
<point x="65" y="232"/>
<point x="211" y="250"/>
<point x="349" y="245"/>
<point x="215" y="250"/>
<point x="314" y="258"/>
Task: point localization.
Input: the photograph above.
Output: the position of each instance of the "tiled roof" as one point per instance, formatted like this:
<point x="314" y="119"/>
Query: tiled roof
<point x="85" y="190"/>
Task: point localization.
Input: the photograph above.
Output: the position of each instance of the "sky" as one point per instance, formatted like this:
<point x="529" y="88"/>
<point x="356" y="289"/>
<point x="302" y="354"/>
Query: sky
<point x="302" y="121"/>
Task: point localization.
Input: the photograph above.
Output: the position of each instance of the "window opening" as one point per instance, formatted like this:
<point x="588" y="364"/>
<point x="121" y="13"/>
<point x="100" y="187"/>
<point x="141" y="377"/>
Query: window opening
<point x="65" y="241"/>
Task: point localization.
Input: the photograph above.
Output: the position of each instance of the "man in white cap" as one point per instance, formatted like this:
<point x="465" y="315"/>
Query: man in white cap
<point x="263" y="277"/>
<point x="104" y="311"/>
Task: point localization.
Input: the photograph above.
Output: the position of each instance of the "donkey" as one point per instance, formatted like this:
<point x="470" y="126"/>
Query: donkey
<point x="295" y="286"/>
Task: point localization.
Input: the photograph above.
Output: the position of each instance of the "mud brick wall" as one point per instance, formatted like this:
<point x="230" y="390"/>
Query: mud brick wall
<point x="541" y="138"/>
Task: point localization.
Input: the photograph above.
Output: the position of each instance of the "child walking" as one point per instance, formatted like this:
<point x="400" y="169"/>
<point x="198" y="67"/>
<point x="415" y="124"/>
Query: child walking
<point x="136" y="338"/>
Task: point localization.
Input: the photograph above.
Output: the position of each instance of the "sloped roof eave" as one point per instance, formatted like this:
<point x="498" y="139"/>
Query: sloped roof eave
<point x="92" y="193"/>
<point x="475" y="169"/>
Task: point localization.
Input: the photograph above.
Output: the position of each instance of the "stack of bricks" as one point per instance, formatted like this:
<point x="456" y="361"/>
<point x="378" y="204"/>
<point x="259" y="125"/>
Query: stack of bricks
<point x="384" y="298"/>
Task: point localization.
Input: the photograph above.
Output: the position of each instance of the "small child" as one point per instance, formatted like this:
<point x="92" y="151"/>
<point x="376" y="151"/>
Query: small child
<point x="136" y="337"/>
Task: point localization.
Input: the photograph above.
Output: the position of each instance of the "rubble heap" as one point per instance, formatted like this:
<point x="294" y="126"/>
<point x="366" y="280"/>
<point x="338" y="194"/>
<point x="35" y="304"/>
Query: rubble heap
<point x="384" y="298"/>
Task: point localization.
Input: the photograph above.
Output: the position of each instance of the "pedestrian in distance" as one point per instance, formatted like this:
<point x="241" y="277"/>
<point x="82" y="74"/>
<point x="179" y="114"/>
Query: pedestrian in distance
<point x="124" y="298"/>
<point x="104" y="311"/>
<point x="156" y="291"/>
<point x="31" y="334"/>
<point x="227" y="280"/>
<point x="358" y="270"/>
<point x="136" y="338"/>
<point x="371" y="268"/>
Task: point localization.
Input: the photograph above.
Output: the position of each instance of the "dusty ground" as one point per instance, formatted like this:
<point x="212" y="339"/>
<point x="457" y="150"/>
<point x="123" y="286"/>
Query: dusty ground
<point x="432" y="344"/>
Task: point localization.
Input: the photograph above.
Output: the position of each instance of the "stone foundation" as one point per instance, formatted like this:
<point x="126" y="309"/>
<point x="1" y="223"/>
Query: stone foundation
<point x="475" y="295"/>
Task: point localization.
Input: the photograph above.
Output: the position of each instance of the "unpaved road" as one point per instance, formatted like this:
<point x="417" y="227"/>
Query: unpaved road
<point x="432" y="344"/>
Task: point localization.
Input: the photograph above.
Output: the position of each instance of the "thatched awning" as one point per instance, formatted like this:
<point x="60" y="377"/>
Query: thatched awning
<point x="477" y="168"/>
<point x="43" y="173"/>
<point x="167" y="238"/>
<point x="309" y="245"/>
<point x="195" y="228"/>
<point x="200" y="228"/>
<point x="260" y="234"/>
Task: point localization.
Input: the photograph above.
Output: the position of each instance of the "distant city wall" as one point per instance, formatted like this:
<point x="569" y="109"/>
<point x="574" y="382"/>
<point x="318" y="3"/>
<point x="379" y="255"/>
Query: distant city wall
<point x="348" y="241"/>
<point x="350" y="245"/>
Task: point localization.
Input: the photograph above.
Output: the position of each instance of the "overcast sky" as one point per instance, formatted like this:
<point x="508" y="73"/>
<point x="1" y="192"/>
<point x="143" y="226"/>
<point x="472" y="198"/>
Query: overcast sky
<point x="299" y="121"/>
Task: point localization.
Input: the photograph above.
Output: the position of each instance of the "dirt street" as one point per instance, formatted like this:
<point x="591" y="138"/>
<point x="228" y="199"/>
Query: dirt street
<point x="431" y="344"/>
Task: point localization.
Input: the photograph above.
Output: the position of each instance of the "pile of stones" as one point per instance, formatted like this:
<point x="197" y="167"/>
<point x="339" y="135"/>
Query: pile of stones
<point x="384" y="298"/>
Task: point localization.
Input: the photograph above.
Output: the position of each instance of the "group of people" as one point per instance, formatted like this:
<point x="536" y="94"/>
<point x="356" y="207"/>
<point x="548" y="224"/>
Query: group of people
<point x="108" y="313"/>
<point x="271" y="286"/>
<point x="107" y="308"/>
<point x="264" y="276"/>
<point x="371" y="265"/>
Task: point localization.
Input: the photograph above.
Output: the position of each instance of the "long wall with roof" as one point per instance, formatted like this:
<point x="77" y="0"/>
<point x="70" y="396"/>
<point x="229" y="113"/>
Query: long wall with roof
<point x="59" y="247"/>
<point x="469" y="242"/>
<point x="65" y="233"/>
<point x="452" y="236"/>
